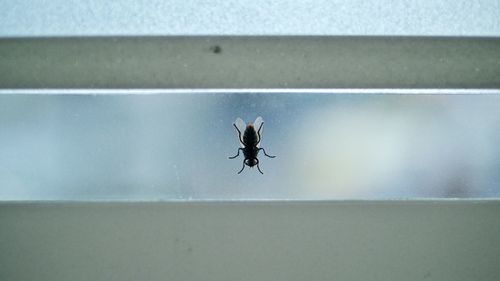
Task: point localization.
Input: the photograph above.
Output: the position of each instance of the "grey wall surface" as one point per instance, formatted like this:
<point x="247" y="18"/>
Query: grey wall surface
<point x="445" y="240"/>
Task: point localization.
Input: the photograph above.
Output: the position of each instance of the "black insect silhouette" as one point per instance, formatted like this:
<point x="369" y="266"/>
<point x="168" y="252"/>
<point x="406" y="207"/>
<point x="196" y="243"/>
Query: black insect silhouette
<point x="250" y="142"/>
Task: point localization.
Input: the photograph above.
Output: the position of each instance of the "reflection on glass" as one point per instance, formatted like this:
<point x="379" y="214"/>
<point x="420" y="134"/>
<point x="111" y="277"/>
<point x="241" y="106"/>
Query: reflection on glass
<point x="176" y="146"/>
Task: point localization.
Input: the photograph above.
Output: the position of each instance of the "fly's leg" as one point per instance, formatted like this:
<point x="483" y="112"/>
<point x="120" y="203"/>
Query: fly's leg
<point x="270" y="156"/>
<point x="242" y="168"/>
<point x="258" y="168"/>
<point x="239" y="134"/>
<point x="258" y="132"/>
<point x="236" y="154"/>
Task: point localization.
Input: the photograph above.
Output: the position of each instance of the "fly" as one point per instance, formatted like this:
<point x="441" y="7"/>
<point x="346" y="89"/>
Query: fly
<point x="250" y="142"/>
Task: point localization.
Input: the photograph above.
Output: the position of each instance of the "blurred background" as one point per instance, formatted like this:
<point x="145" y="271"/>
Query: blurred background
<point x="176" y="146"/>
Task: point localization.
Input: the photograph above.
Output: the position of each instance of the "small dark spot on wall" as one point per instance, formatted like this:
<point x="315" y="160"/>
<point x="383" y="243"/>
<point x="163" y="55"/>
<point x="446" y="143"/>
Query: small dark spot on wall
<point x="216" y="49"/>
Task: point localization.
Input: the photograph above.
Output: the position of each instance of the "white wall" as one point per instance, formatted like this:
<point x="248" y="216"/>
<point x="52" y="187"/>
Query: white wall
<point x="259" y="17"/>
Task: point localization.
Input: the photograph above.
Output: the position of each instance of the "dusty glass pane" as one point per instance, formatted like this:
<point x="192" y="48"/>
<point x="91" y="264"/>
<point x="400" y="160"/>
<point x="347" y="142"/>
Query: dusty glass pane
<point x="176" y="146"/>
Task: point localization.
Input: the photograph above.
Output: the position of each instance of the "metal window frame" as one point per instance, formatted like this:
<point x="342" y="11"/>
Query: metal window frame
<point x="305" y="62"/>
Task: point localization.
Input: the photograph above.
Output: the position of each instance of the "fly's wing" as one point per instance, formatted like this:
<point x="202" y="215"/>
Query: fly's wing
<point x="259" y="124"/>
<point x="240" y="124"/>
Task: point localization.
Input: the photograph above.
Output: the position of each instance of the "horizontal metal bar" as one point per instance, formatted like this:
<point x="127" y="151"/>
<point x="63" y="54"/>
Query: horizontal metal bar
<point x="250" y="62"/>
<point x="248" y="91"/>
<point x="262" y="241"/>
<point x="198" y="201"/>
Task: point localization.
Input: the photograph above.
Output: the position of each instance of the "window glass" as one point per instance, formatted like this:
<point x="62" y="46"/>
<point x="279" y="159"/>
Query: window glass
<point x="175" y="146"/>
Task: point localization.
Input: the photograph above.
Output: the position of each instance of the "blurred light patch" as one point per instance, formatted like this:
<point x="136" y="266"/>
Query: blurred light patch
<point x="401" y="147"/>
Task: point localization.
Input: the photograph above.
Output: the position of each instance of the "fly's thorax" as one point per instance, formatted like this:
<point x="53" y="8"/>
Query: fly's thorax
<point x="250" y="151"/>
